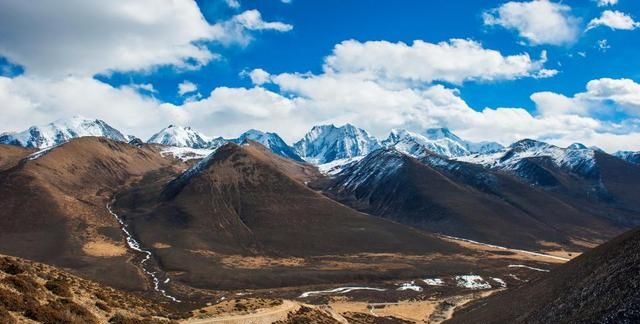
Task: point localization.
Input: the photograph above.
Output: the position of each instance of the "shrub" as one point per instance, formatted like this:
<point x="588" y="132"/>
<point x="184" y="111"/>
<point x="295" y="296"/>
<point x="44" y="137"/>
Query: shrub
<point x="6" y="318"/>
<point x="58" y="287"/>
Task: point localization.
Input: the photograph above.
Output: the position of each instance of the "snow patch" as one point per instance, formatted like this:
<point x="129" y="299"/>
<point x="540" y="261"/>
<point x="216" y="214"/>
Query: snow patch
<point x="500" y="282"/>
<point x="472" y="282"/>
<point x="434" y="282"/>
<point x="527" y="267"/>
<point x="341" y="290"/>
<point x="410" y="286"/>
<point x="186" y="153"/>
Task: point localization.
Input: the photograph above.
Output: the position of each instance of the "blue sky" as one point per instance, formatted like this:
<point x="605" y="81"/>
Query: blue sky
<point x="585" y="46"/>
<point x="319" y="25"/>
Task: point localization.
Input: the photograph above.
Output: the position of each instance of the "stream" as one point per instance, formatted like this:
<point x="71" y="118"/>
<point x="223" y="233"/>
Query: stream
<point x="135" y="245"/>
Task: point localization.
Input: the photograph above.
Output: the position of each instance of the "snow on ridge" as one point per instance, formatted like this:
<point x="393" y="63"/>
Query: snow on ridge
<point x="186" y="153"/>
<point x="327" y="143"/>
<point x="61" y="131"/>
<point x="576" y="158"/>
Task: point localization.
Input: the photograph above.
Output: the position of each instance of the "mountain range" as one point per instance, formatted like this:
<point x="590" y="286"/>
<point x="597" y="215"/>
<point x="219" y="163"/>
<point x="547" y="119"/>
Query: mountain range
<point x="183" y="214"/>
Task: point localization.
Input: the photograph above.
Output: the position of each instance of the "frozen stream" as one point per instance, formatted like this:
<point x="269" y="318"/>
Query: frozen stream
<point x="135" y="245"/>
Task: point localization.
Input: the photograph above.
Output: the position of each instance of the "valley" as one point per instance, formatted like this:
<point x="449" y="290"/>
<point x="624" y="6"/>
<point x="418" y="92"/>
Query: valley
<point x="240" y="231"/>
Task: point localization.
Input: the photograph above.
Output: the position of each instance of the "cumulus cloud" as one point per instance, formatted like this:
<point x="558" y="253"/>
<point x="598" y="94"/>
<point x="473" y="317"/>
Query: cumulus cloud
<point x="614" y="20"/>
<point x="186" y="87"/>
<point x="455" y="61"/>
<point x="235" y="4"/>
<point x="252" y="20"/>
<point x="257" y="76"/>
<point x="538" y="21"/>
<point x="604" y="96"/>
<point x="84" y="38"/>
<point x="604" y="3"/>
<point x="34" y="101"/>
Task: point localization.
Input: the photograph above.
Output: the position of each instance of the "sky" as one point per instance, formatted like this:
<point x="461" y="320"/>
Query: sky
<point x="558" y="71"/>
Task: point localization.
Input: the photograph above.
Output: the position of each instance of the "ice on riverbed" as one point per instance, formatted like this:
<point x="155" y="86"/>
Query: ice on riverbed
<point x="472" y="282"/>
<point x="341" y="290"/>
<point x="500" y="282"/>
<point x="434" y="282"/>
<point x="410" y="286"/>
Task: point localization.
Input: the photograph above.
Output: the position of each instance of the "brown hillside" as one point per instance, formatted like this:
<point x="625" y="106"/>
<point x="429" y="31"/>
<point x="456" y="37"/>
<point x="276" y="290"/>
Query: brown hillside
<point x="246" y="203"/>
<point x="600" y="286"/>
<point x="53" y="208"/>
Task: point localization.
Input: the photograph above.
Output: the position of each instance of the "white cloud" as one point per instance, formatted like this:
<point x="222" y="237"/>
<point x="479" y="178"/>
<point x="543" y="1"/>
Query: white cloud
<point x="235" y="4"/>
<point x="455" y="61"/>
<point x="34" y="101"/>
<point x="186" y="87"/>
<point x="604" y="3"/>
<point x="614" y="20"/>
<point x="84" y="38"/>
<point x="602" y="97"/>
<point x="538" y="21"/>
<point x="258" y="76"/>
<point x="252" y="20"/>
<point x="148" y="87"/>
<point x="603" y="45"/>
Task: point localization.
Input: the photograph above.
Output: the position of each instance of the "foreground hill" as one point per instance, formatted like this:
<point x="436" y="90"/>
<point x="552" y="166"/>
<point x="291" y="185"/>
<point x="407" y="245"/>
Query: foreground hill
<point x="10" y="155"/>
<point x="600" y="286"/>
<point x="43" y="294"/>
<point x="244" y="218"/>
<point x="464" y="200"/>
<point x="53" y="207"/>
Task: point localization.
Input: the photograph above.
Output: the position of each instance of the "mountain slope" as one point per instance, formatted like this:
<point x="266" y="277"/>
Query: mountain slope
<point x="10" y="155"/>
<point x="180" y="137"/>
<point x="600" y="286"/>
<point x="579" y="175"/>
<point x="463" y="200"/>
<point x="31" y="291"/>
<point x="327" y="143"/>
<point x="271" y="141"/>
<point x="245" y="203"/>
<point x="61" y="131"/>
<point x="629" y="156"/>
<point x="53" y="207"/>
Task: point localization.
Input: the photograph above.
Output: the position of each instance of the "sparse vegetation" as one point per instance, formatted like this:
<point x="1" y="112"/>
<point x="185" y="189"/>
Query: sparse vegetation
<point x="58" y="287"/>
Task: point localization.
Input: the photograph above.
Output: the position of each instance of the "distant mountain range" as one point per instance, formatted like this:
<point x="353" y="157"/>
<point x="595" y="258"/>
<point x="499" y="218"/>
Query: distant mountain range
<point x="326" y="144"/>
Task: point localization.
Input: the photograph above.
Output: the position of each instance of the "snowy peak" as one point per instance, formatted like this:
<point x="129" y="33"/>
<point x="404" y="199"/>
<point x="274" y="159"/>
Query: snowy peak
<point x="270" y="140"/>
<point x="327" y="143"/>
<point x="575" y="158"/>
<point x="629" y="156"/>
<point x="436" y="140"/>
<point x="180" y="137"/>
<point x="61" y="131"/>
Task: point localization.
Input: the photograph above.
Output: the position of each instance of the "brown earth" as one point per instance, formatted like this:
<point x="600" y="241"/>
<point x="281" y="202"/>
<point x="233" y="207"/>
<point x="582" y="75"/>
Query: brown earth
<point x="600" y="286"/>
<point x="33" y="292"/>
<point x="10" y="155"/>
<point x="472" y="202"/>
<point x="53" y="208"/>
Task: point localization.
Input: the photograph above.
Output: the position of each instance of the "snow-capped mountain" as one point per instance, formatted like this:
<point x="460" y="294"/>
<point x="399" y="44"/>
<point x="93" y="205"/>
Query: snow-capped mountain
<point x="180" y="137"/>
<point x="437" y="140"/>
<point x="576" y="158"/>
<point x="61" y="131"/>
<point x="629" y="156"/>
<point x="270" y="140"/>
<point x="327" y="143"/>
